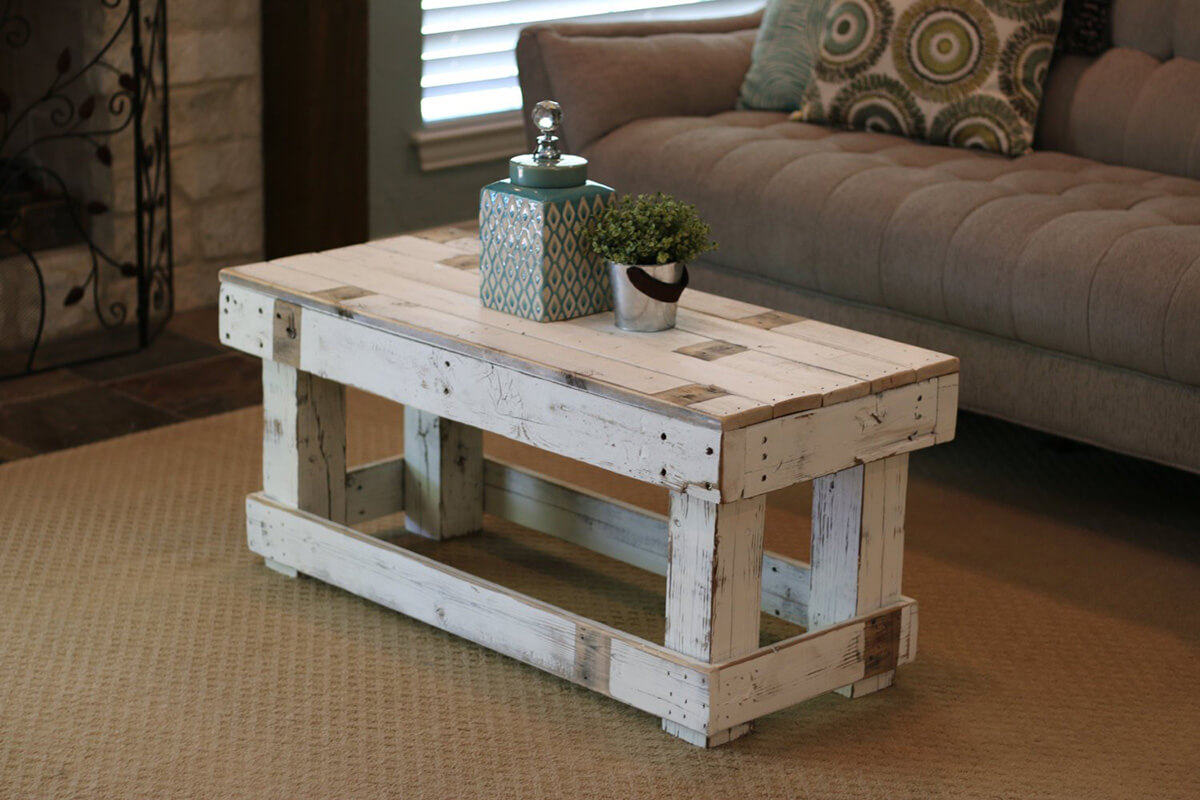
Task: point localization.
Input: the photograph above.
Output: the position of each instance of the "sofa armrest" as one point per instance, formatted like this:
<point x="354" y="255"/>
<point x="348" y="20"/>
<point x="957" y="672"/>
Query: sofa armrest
<point x="606" y="75"/>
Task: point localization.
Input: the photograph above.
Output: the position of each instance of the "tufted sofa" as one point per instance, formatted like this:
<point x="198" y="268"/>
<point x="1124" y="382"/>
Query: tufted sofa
<point x="1067" y="280"/>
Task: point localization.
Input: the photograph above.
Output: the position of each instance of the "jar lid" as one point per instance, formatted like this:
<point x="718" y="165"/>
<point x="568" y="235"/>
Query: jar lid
<point x="547" y="167"/>
<point x="564" y="172"/>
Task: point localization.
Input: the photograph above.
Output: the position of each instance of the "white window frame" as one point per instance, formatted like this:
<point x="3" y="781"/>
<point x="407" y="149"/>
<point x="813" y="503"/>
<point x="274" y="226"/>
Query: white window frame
<point x="470" y="140"/>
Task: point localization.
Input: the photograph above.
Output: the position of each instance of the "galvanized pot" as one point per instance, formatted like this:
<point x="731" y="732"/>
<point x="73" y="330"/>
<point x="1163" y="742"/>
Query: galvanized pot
<point x="645" y="296"/>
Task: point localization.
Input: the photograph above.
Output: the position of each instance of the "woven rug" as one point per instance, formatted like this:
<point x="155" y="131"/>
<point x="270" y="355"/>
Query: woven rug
<point x="145" y="653"/>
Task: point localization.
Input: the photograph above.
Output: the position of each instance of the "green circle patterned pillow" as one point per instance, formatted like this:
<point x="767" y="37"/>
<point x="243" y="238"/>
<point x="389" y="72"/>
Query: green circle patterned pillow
<point x="965" y="73"/>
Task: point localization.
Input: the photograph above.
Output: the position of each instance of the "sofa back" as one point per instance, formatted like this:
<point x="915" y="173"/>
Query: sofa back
<point x="1137" y="104"/>
<point x="595" y="64"/>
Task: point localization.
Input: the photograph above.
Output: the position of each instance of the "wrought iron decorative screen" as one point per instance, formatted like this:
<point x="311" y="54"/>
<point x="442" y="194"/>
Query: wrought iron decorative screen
<point x="85" y="196"/>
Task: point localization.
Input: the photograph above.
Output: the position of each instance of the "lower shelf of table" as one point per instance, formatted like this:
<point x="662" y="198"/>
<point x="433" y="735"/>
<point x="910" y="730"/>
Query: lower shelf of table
<point x="701" y="697"/>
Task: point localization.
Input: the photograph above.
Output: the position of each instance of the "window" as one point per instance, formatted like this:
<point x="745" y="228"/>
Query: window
<point x="469" y="68"/>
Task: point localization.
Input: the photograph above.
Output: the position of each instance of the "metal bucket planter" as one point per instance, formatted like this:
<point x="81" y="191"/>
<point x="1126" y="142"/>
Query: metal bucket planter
<point x="645" y="296"/>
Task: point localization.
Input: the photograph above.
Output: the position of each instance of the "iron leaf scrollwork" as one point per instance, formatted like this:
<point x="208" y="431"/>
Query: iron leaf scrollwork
<point x="135" y="100"/>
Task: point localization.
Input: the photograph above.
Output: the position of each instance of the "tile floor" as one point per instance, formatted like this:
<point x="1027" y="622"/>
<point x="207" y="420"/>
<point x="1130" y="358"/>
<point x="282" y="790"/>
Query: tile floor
<point x="184" y="374"/>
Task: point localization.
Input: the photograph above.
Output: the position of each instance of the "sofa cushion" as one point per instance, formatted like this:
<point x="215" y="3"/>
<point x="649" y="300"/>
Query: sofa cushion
<point x="1127" y="108"/>
<point x="1164" y="29"/>
<point x="1138" y="104"/>
<point x="1054" y="250"/>
<point x="605" y="81"/>
<point x="967" y="73"/>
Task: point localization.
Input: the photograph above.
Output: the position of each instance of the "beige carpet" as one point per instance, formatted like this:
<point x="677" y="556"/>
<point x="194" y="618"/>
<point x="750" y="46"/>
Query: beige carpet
<point x="144" y="653"/>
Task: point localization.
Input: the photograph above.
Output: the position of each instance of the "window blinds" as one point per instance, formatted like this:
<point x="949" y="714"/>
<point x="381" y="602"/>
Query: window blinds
<point x="468" y="64"/>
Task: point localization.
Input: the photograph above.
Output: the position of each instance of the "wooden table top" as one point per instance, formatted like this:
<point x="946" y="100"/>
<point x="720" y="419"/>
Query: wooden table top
<point x="727" y="364"/>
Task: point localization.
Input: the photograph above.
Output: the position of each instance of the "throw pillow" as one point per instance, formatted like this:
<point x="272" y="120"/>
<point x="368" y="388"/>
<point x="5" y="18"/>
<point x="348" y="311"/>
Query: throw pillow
<point x="965" y="73"/>
<point x="781" y="63"/>
<point x="1086" y="28"/>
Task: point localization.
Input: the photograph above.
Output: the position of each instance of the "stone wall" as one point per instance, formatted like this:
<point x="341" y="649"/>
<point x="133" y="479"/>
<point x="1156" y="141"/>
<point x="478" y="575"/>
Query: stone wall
<point x="215" y="50"/>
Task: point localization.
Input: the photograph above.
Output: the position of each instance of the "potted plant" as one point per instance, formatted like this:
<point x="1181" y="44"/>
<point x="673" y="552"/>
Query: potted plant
<point x="646" y="241"/>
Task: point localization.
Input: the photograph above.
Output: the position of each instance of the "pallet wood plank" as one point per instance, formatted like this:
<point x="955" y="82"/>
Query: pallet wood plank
<point x="375" y="490"/>
<point x="641" y="674"/>
<point x="925" y="363"/>
<point x="271" y="272"/>
<point x="810" y="665"/>
<point x="848" y="374"/>
<point x="857" y="547"/>
<point x="444" y="234"/>
<point x="246" y="320"/>
<point x="415" y="246"/>
<point x="826" y="387"/>
<point x="735" y="411"/>
<point x="614" y="529"/>
<point x="881" y="552"/>
<point x="689" y="393"/>
<point x="836" y="522"/>
<point x="621" y="531"/>
<point x="717" y="306"/>
<point x="733" y="463"/>
<point x="714" y="575"/>
<point x="805" y="446"/>
<point x="947" y="410"/>
<point x="285" y="333"/>
<point x="770" y="319"/>
<point x="304" y="440"/>
<point x="714" y="589"/>
<point x="443" y="476"/>
<point x="710" y="349"/>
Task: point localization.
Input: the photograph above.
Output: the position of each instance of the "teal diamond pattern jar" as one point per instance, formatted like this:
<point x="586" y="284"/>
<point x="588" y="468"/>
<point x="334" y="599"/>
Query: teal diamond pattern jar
<point x="533" y="260"/>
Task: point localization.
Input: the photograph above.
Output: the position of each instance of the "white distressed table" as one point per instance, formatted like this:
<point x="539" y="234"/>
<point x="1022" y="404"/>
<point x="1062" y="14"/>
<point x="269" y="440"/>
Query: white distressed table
<point x="736" y="402"/>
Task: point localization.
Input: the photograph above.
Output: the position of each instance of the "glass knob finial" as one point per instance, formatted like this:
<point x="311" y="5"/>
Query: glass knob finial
<point x="547" y="117"/>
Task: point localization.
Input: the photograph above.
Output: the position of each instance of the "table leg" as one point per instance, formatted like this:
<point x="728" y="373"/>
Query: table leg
<point x="858" y="547"/>
<point x="304" y="443"/>
<point x="443" y="476"/>
<point x="714" y="589"/>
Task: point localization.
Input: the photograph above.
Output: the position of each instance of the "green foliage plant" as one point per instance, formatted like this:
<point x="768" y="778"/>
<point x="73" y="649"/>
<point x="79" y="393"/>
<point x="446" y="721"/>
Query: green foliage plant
<point x="649" y="229"/>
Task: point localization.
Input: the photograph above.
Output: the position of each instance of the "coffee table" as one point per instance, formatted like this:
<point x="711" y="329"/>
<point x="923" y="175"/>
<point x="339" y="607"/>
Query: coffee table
<point x="737" y="401"/>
